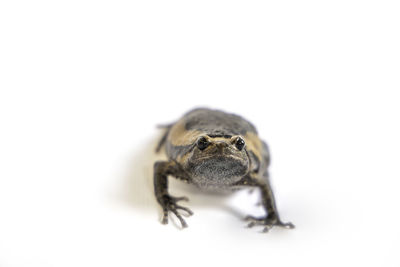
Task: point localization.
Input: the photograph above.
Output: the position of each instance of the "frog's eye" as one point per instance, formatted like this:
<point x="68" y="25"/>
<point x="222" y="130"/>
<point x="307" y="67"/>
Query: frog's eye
<point x="202" y="143"/>
<point x="239" y="143"/>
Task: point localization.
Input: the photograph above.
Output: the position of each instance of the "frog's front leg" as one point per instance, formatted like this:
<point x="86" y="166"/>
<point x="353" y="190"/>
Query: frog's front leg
<point x="268" y="201"/>
<point x="169" y="203"/>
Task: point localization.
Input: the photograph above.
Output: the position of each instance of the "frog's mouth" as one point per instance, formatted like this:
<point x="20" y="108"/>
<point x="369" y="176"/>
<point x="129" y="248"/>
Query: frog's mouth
<point x="218" y="170"/>
<point x="219" y="158"/>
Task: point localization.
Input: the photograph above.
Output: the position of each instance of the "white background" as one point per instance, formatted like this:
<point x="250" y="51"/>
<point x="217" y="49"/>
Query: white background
<point x="84" y="83"/>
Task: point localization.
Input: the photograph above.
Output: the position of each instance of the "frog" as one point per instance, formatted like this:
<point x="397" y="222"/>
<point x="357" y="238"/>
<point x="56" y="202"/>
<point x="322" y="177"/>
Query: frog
<point x="215" y="151"/>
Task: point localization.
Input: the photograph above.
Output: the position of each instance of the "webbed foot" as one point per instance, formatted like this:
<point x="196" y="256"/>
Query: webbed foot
<point x="267" y="222"/>
<point x="169" y="204"/>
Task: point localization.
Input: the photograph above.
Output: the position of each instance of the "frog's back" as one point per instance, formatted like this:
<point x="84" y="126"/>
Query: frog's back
<point x="213" y="123"/>
<point x="217" y="123"/>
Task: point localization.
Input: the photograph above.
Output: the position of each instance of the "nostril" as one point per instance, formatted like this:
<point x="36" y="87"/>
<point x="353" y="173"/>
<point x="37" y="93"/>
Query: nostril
<point x="221" y="145"/>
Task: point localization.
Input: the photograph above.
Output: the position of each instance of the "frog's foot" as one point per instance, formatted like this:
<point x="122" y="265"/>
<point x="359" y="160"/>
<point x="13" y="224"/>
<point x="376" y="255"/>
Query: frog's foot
<point x="267" y="222"/>
<point x="169" y="204"/>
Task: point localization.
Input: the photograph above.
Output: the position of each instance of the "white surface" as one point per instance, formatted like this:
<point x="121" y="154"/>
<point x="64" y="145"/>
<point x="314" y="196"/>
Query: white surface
<point x="83" y="84"/>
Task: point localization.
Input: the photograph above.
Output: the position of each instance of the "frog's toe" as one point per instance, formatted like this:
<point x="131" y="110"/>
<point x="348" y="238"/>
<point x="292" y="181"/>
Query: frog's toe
<point x="176" y="199"/>
<point x="287" y="225"/>
<point x="254" y="221"/>
<point x="169" y="204"/>
<point x="267" y="222"/>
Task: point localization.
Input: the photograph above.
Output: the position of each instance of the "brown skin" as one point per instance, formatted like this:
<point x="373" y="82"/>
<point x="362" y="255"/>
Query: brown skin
<point x="215" y="151"/>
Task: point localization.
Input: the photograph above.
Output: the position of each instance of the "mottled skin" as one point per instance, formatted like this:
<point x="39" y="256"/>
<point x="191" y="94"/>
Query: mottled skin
<point x="215" y="151"/>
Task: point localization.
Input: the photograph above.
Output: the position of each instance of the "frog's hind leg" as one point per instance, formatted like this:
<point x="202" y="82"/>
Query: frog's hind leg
<point x="164" y="137"/>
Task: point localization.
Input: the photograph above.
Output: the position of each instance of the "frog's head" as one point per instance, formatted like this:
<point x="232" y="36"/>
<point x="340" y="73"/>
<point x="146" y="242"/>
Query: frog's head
<point x="218" y="161"/>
